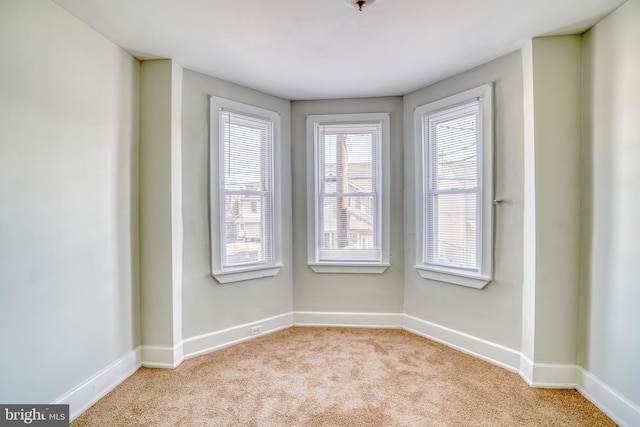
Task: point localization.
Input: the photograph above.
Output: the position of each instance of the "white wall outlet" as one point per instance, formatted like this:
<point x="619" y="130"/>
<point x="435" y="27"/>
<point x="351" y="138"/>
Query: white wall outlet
<point x="255" y="330"/>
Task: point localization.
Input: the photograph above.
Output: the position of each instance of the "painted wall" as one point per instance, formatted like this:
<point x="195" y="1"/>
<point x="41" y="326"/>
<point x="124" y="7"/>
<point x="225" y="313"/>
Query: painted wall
<point x="69" y="303"/>
<point x="330" y="292"/>
<point x="160" y="206"/>
<point x="493" y="313"/>
<point x="552" y="67"/>
<point x="609" y="338"/>
<point x="207" y="305"/>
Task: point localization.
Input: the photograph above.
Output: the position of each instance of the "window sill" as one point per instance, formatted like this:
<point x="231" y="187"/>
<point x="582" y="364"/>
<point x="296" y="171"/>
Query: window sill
<point x="349" y="268"/>
<point x="455" y="278"/>
<point x="248" y="274"/>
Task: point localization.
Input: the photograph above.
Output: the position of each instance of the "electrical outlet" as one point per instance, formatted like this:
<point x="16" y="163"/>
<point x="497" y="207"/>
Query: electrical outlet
<point x="255" y="330"/>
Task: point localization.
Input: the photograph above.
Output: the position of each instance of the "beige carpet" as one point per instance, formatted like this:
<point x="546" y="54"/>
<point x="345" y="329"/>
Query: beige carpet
<point x="337" y="377"/>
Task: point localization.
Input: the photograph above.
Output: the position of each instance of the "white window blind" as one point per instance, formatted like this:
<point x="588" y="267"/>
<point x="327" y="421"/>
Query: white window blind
<point x="453" y="183"/>
<point x="246" y="190"/>
<point x="348" y="188"/>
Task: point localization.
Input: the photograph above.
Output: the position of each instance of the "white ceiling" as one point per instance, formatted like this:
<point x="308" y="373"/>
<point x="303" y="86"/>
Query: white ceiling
<point x="316" y="49"/>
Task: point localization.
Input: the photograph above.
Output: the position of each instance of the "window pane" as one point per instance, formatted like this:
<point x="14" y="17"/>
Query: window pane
<point x="246" y="182"/>
<point x="246" y="151"/>
<point x="452" y="186"/>
<point x="245" y="226"/>
<point x="453" y="147"/>
<point x="347" y="162"/>
<point x="348" y="227"/>
<point x="452" y="240"/>
<point x="348" y="223"/>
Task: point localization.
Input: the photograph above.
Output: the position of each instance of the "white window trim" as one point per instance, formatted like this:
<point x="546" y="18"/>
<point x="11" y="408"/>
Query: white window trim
<point x="251" y="271"/>
<point x="348" y="267"/>
<point x="452" y="275"/>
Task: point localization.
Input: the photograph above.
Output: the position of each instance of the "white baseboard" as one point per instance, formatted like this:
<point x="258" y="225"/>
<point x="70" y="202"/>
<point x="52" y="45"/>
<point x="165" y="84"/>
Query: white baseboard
<point x="548" y="375"/>
<point x="526" y="369"/>
<point x="206" y="343"/>
<point x="162" y="357"/>
<point x="341" y="319"/>
<point x="553" y="375"/>
<point x="485" y="350"/>
<point x="617" y="407"/>
<point x="96" y="387"/>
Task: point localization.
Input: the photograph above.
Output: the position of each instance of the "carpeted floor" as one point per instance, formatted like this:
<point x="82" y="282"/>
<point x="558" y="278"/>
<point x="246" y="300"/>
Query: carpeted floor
<point x="337" y="377"/>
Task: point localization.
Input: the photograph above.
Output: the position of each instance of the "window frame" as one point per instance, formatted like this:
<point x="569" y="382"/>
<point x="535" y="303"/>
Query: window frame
<point x="313" y="179"/>
<point x="249" y="271"/>
<point x="458" y="276"/>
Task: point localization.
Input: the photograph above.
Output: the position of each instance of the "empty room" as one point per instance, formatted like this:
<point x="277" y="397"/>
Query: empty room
<point x="335" y="212"/>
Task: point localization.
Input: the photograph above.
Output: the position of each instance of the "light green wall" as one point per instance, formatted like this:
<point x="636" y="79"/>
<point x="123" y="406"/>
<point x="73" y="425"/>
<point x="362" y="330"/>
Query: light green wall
<point x="552" y="69"/>
<point x="493" y="313"/>
<point x="378" y="293"/>
<point x="207" y="305"/>
<point x="69" y="303"/>
<point x="160" y="203"/>
<point x="609" y="338"/>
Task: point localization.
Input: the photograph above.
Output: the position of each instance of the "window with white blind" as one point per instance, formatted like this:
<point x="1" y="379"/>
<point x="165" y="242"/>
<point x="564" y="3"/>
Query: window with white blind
<point x="454" y="200"/>
<point x="348" y="186"/>
<point x="245" y="224"/>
